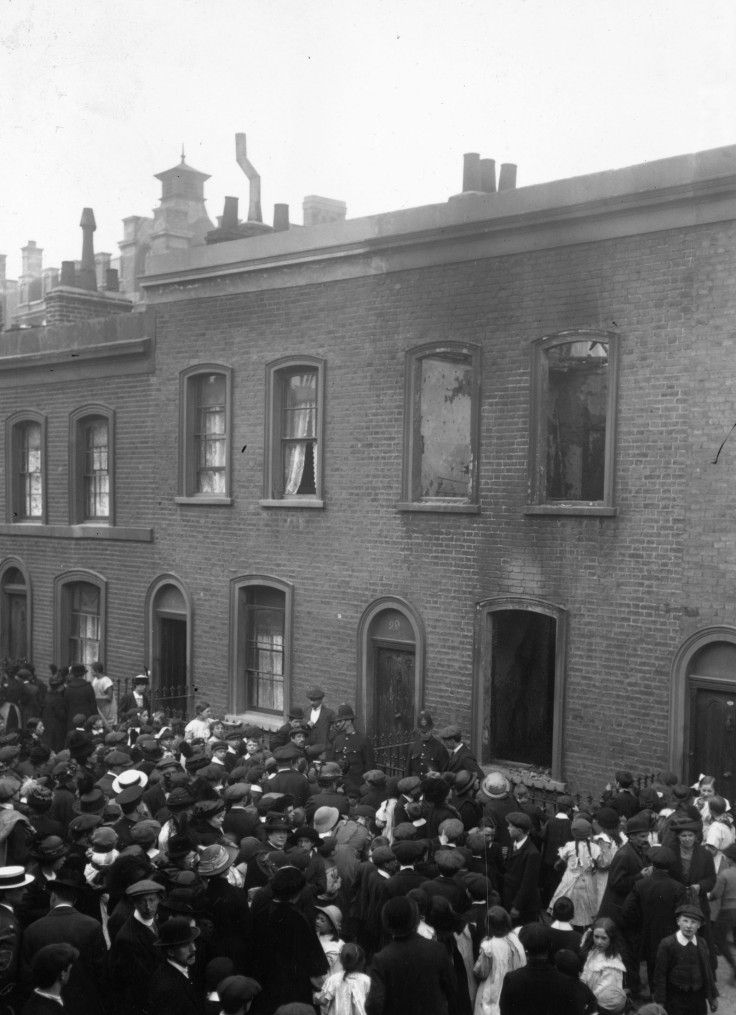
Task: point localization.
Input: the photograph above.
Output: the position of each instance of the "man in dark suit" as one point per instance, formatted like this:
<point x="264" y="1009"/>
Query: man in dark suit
<point x="651" y="905"/>
<point x="538" y="988"/>
<point x="318" y="718"/>
<point x="521" y="897"/>
<point x="173" y="992"/>
<point x="460" y="757"/>
<point x="411" y="975"/>
<point x="79" y="694"/>
<point x="13" y="882"/>
<point x="50" y="972"/>
<point x="134" y="961"/>
<point x="328" y="795"/>
<point x="288" y="778"/>
<point x="87" y="988"/>
<point x="406" y="877"/>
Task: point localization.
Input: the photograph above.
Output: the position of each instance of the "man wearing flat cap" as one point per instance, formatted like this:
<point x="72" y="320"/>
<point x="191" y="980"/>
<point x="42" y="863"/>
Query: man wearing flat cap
<point x="236" y="994"/>
<point x="288" y="778"/>
<point x="173" y="992"/>
<point x="87" y="988"/>
<point x="521" y="896"/>
<point x="318" y="718"/>
<point x="427" y="753"/>
<point x="134" y="961"/>
<point x="460" y="757"/>
<point x="683" y="975"/>
<point x="294" y="720"/>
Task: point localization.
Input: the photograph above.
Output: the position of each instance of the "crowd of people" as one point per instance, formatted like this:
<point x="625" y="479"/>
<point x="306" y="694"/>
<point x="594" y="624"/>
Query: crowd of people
<point x="151" y="867"/>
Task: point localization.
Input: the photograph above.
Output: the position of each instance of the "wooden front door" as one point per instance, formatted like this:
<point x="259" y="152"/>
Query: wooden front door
<point x="713" y="736"/>
<point x="171" y="690"/>
<point x="17" y="647"/>
<point x="394" y="697"/>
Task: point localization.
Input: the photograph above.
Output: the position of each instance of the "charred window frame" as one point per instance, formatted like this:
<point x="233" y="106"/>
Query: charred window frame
<point x="442" y="428"/>
<point x="574" y="383"/>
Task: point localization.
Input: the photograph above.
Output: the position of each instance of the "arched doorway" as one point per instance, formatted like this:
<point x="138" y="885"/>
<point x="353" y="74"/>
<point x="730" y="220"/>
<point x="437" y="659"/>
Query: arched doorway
<point x="390" y="688"/>
<point x="168" y="616"/>
<point x="15" y="610"/>
<point x="703" y="717"/>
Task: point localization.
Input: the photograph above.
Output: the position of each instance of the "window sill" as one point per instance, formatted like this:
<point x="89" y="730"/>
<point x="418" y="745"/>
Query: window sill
<point x="293" y="502"/>
<point x="594" y="510"/>
<point x="204" y="501"/>
<point x="439" y="507"/>
<point x="124" y="533"/>
<point x="267" y="721"/>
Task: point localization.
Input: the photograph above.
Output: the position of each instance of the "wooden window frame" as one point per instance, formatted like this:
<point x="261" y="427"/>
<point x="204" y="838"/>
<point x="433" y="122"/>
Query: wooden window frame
<point x="238" y="643"/>
<point x="537" y="499"/>
<point x="411" y="499"/>
<point x="188" y="445"/>
<point x="61" y="611"/>
<point x="13" y="493"/>
<point x="276" y="372"/>
<point x="77" y="462"/>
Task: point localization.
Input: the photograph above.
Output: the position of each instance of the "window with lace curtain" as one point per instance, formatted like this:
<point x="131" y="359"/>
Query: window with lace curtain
<point x="261" y="621"/>
<point x="91" y="461"/>
<point x="26" y="467"/>
<point x="294" y="432"/>
<point x="80" y="610"/>
<point x="204" y="473"/>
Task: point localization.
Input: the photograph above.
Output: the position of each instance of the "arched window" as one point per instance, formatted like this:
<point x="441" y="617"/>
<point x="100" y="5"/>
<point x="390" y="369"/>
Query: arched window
<point x="573" y="423"/>
<point x="519" y="687"/>
<point x="15" y="610"/>
<point x="261" y="623"/>
<point x="80" y="611"/>
<point x="91" y="459"/>
<point x="294" y="437"/>
<point x="25" y="467"/>
<point x="441" y="427"/>
<point x="205" y="399"/>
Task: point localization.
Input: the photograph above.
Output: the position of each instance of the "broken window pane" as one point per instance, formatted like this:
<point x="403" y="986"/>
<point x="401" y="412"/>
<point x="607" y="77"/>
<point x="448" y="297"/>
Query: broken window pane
<point x="577" y="399"/>
<point x="445" y="427"/>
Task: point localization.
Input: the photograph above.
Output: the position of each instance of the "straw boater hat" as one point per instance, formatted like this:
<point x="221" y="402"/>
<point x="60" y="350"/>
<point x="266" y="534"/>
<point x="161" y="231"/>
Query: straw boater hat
<point x="14" y="877"/>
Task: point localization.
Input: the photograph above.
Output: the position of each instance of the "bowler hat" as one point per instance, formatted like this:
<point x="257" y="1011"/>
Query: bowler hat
<point x="90" y="803"/>
<point x="638" y="823"/>
<point x="286" y="882"/>
<point x="345" y="711"/>
<point x="69" y="877"/>
<point x="325" y="818"/>
<point x="295" y="712"/>
<point x="175" y="932"/>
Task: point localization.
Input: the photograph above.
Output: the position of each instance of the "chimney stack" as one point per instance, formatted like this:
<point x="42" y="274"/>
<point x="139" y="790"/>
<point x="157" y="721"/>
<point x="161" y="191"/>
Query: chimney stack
<point x="280" y="218"/>
<point x="507" y="176"/>
<point x="87" y="272"/>
<point x="229" y="218"/>
<point x="241" y="157"/>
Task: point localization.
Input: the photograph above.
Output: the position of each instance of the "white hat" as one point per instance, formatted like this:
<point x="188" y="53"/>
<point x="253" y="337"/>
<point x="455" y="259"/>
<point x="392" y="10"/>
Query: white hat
<point x="131" y="777"/>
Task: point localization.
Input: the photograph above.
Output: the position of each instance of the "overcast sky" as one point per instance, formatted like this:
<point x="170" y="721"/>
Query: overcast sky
<point x="370" y="101"/>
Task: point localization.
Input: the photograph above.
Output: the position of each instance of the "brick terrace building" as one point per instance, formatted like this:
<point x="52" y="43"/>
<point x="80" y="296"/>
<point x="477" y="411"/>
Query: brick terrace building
<point x="457" y="457"/>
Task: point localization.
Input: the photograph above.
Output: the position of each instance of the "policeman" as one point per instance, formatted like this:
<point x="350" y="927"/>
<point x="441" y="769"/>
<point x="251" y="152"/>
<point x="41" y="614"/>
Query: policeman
<point x="427" y="753"/>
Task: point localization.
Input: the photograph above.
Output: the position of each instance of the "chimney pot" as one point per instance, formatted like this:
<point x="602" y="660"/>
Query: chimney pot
<point x="471" y="171"/>
<point x="87" y="270"/>
<point x="507" y="176"/>
<point x="229" y="218"/>
<point x="68" y="273"/>
<point x="280" y="218"/>
<point x="488" y="176"/>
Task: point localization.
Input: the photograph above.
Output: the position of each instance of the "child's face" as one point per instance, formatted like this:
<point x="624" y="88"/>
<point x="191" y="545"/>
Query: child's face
<point x="688" y="925"/>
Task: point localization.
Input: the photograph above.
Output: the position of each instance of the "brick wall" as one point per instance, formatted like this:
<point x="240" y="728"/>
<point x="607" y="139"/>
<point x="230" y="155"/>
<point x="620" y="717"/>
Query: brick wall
<point x="634" y="586"/>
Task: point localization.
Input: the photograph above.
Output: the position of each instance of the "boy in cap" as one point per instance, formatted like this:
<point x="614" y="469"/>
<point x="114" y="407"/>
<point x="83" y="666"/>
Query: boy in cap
<point x="683" y="975"/>
<point x="521" y="897"/>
